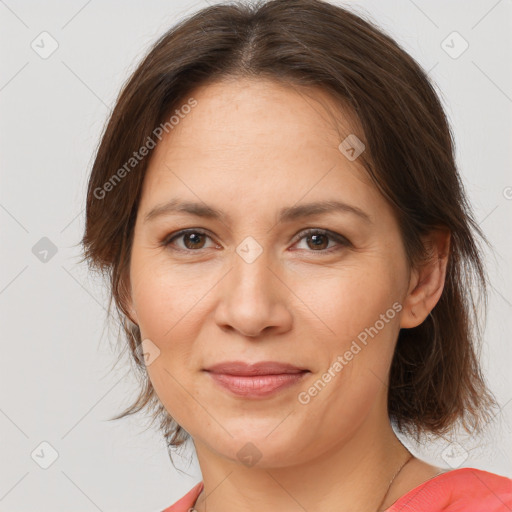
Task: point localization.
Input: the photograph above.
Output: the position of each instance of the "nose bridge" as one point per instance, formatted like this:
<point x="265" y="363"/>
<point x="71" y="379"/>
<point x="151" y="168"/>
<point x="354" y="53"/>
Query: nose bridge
<point x="250" y="299"/>
<point x="251" y="275"/>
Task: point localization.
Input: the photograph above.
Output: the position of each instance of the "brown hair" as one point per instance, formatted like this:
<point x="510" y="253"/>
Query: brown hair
<point x="435" y="379"/>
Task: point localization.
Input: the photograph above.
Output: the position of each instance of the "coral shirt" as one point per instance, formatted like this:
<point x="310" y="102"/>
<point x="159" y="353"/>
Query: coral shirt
<point x="459" y="490"/>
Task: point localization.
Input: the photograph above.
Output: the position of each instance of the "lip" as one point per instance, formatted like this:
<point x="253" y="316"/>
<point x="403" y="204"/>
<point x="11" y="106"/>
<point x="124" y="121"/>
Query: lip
<point x="256" y="380"/>
<point x="249" y="369"/>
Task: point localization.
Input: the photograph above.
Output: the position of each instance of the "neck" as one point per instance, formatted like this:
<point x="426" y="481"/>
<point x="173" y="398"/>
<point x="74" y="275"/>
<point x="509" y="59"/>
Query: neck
<point x="353" y="475"/>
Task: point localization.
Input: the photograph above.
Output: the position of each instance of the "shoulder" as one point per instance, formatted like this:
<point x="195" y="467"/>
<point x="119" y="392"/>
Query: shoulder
<point x="187" y="502"/>
<point x="459" y="490"/>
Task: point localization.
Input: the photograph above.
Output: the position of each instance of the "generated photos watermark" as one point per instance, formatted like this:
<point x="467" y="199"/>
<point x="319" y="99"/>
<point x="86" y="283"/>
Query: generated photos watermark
<point x="305" y="397"/>
<point x="143" y="151"/>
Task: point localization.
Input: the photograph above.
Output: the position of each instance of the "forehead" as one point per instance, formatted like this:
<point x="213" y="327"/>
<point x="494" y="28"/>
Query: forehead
<point x="246" y="137"/>
<point x="263" y="113"/>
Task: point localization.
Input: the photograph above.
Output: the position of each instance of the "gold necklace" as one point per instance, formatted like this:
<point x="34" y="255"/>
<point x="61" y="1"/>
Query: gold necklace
<point x="380" y="504"/>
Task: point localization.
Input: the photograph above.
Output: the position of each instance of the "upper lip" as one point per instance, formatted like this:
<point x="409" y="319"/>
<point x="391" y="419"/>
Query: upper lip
<point x="259" y="368"/>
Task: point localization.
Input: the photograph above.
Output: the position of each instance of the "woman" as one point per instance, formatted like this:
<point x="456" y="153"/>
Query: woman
<point x="290" y="249"/>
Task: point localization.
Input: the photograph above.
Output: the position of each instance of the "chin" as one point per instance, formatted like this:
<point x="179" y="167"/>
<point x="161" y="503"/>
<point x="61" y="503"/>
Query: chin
<point x="262" y="448"/>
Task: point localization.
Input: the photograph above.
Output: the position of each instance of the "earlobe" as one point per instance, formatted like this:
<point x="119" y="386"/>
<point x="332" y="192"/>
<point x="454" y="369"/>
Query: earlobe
<point x="427" y="281"/>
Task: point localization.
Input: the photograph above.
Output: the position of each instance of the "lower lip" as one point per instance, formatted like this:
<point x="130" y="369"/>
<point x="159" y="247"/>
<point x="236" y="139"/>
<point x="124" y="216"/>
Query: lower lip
<point x="257" y="386"/>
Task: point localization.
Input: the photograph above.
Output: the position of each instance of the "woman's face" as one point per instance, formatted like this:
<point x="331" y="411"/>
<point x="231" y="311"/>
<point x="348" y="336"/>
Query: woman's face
<point x="252" y="285"/>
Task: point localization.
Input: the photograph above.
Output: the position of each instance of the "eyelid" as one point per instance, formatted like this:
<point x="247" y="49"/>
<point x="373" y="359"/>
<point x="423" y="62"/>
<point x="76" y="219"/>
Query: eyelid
<point x="339" y="239"/>
<point x="178" y="234"/>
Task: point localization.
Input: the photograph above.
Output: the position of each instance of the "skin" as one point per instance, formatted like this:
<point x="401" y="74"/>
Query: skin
<point x="250" y="148"/>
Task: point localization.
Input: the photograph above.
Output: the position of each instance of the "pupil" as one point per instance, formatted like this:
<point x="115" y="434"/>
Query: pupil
<point x="194" y="238"/>
<point x="317" y="239"/>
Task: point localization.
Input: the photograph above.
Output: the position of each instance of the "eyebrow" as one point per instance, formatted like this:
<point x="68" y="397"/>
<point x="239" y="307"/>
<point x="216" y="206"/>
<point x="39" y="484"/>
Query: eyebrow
<point x="287" y="214"/>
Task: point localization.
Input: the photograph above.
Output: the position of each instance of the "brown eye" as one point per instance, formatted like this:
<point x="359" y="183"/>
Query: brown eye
<point x="318" y="240"/>
<point x="191" y="240"/>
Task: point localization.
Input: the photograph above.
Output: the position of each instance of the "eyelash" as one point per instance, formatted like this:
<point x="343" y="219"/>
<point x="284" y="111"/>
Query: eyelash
<point x="341" y="240"/>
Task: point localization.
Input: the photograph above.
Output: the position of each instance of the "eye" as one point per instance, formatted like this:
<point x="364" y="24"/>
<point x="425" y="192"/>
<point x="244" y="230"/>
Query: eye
<point x="318" y="240"/>
<point x="192" y="239"/>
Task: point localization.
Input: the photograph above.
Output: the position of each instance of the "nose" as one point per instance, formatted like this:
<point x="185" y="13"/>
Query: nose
<point x="253" y="298"/>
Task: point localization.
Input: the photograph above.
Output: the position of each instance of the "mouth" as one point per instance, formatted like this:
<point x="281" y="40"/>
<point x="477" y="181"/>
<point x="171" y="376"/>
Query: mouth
<point x="243" y="369"/>
<point x="256" y="380"/>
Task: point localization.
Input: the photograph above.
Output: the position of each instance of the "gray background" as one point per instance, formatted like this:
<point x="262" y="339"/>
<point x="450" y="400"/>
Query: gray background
<point x="57" y="384"/>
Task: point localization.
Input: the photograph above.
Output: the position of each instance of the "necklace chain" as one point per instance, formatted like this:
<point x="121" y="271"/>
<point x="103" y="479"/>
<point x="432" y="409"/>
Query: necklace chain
<point x="385" y="495"/>
<point x="393" y="479"/>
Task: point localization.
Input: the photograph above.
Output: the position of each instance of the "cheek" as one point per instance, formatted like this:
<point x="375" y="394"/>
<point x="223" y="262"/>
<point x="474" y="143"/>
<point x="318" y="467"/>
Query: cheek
<point x="360" y="350"/>
<point x="182" y="401"/>
<point x="359" y="311"/>
<point x="168" y="316"/>
<point x="164" y="296"/>
<point x="349" y="300"/>
<point x="170" y="305"/>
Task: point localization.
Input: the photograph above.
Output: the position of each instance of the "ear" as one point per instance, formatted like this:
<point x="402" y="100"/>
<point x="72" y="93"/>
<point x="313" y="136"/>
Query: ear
<point x="427" y="281"/>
